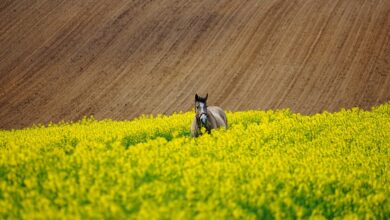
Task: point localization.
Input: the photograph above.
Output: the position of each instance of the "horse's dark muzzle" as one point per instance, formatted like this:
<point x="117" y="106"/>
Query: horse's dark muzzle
<point x="203" y="118"/>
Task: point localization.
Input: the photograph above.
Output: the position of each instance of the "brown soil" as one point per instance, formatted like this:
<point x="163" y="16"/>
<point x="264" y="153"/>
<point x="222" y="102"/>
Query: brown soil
<point x="63" y="59"/>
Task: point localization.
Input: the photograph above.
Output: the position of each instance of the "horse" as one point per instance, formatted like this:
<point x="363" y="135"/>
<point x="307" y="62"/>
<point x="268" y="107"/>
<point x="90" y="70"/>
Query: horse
<point x="208" y="117"/>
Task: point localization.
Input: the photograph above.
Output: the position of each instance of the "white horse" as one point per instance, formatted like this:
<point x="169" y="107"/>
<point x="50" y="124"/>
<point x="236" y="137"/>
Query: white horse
<point x="208" y="117"/>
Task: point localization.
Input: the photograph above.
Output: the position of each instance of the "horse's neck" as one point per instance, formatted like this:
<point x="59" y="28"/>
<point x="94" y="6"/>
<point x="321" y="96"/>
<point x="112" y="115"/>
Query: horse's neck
<point x="212" y="121"/>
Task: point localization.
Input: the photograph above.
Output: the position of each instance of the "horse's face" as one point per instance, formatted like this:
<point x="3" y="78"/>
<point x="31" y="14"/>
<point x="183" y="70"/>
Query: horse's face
<point x="201" y="108"/>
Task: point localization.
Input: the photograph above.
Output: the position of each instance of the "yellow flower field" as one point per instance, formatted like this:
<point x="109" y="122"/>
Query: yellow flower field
<point x="266" y="165"/>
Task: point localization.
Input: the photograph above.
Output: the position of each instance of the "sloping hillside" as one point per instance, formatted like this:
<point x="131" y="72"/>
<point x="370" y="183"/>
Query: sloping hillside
<point x="119" y="59"/>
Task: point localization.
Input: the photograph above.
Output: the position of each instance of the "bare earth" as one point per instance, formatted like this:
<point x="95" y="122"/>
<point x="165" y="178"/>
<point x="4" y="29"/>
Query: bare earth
<point x="63" y="59"/>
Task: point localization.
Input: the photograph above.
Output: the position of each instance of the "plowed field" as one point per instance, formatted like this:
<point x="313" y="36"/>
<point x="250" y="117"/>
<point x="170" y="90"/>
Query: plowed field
<point x="63" y="59"/>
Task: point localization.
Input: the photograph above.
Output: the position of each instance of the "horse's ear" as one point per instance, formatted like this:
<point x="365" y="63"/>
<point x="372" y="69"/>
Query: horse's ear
<point x="196" y="97"/>
<point x="207" y="95"/>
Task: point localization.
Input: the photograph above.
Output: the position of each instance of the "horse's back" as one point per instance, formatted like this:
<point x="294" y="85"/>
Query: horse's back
<point x="219" y="116"/>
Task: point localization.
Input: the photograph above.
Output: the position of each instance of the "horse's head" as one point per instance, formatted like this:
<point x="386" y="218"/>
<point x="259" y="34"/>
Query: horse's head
<point x="201" y="109"/>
